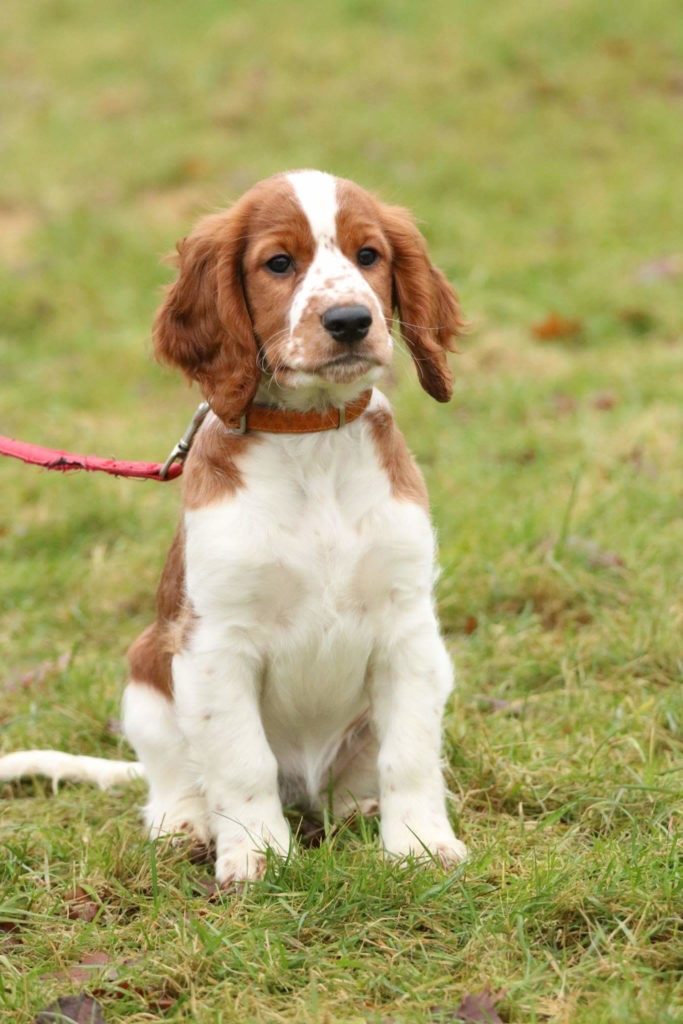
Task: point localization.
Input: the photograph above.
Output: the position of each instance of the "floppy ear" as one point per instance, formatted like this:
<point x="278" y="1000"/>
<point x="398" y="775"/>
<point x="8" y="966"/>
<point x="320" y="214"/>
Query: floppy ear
<point x="427" y="307"/>
<point x="203" y="326"/>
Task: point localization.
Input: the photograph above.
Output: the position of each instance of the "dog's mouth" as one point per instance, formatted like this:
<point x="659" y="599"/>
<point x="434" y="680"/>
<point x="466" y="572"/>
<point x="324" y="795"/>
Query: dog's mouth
<point x="347" y="366"/>
<point x="344" y="368"/>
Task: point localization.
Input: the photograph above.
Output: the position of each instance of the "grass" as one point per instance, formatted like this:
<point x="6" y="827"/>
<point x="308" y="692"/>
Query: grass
<point x="537" y="145"/>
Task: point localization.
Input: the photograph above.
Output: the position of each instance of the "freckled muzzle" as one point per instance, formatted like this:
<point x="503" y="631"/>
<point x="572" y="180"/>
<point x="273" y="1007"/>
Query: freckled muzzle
<point x="347" y="324"/>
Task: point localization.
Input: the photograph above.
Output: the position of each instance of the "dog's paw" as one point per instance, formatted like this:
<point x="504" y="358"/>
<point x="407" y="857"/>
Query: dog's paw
<point x="450" y="854"/>
<point x="240" y="864"/>
<point x="429" y="846"/>
<point x="183" y="822"/>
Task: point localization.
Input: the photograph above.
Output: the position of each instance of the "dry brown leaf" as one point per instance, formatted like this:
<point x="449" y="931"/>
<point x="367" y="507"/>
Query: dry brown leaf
<point x="80" y="1009"/>
<point x="604" y="400"/>
<point x="80" y="906"/>
<point x="94" y="967"/>
<point x="479" y="1006"/>
<point x="555" y="327"/>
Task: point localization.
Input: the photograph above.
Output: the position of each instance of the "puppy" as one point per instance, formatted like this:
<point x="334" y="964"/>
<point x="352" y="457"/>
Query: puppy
<point x="296" y="656"/>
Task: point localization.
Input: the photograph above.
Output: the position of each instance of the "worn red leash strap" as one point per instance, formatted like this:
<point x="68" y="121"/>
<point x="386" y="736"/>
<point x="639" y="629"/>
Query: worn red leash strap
<point x="52" y="458"/>
<point x="263" y="418"/>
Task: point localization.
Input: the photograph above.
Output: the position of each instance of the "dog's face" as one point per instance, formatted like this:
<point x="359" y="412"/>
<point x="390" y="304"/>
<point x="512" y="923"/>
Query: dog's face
<point x="297" y="285"/>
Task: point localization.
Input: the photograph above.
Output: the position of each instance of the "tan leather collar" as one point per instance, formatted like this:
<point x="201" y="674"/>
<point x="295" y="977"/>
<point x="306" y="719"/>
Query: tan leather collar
<point x="272" y="420"/>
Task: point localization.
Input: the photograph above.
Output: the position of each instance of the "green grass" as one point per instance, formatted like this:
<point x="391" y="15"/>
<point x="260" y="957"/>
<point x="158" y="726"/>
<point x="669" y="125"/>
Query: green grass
<point x="539" y="144"/>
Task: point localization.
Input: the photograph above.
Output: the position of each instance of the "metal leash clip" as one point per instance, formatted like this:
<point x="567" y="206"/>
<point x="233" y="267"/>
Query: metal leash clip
<point x="180" y="450"/>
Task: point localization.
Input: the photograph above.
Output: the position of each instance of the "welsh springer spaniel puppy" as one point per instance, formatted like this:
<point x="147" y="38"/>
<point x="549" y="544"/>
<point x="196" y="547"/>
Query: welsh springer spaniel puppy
<point x="296" y="655"/>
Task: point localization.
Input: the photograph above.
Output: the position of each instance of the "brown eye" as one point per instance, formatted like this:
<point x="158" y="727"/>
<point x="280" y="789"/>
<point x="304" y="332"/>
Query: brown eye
<point x="367" y="256"/>
<point x="280" y="264"/>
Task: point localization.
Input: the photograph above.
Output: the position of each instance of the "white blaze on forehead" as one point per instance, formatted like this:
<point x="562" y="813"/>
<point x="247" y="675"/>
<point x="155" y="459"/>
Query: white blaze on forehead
<point x="317" y="195"/>
<point x="331" y="274"/>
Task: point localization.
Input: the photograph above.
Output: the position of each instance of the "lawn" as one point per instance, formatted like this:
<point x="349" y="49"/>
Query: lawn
<point x="540" y="146"/>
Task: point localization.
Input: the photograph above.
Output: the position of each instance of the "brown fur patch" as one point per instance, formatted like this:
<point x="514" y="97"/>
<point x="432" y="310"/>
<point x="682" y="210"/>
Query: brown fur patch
<point x="150" y="655"/>
<point x="211" y="473"/>
<point x="212" y="469"/>
<point x="407" y="482"/>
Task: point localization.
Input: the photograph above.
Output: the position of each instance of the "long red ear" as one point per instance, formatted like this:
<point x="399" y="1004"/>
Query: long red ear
<point x="203" y="326"/>
<point x="428" y="310"/>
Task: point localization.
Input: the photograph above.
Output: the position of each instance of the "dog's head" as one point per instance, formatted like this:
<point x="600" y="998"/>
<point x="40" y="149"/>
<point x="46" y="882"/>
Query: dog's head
<point x="295" y="287"/>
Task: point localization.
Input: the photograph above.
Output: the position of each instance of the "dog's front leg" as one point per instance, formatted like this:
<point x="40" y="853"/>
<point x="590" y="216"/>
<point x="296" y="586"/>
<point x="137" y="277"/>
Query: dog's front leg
<point x="216" y="683"/>
<point x="411" y="679"/>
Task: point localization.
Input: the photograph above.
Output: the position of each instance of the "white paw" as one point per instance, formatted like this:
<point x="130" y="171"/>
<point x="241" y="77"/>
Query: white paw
<point x="241" y="863"/>
<point x="427" y="844"/>
<point x="241" y="853"/>
<point x="186" y="818"/>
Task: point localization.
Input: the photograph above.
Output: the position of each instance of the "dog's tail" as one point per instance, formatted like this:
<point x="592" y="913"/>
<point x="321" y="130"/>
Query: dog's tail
<point x="58" y="766"/>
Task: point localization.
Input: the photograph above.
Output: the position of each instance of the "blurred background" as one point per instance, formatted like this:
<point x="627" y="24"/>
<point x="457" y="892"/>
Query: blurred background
<point x="540" y="147"/>
<point x="537" y="144"/>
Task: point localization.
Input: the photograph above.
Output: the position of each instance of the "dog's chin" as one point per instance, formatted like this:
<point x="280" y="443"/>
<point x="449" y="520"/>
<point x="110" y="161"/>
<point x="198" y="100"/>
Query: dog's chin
<point x="350" y="368"/>
<point x="333" y="382"/>
<point x="346" y="369"/>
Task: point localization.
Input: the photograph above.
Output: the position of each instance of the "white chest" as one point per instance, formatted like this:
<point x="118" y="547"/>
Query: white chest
<point x="305" y="565"/>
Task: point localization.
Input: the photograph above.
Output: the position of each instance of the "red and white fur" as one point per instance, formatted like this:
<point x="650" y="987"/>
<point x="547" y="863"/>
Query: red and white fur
<point x="296" y="656"/>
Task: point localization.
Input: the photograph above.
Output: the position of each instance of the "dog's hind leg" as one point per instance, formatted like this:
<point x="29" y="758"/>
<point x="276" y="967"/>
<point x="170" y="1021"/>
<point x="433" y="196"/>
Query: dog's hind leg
<point x="176" y="804"/>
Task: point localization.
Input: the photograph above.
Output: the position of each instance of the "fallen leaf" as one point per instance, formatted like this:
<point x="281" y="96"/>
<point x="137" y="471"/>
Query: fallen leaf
<point x="479" y="1006"/>
<point x="555" y="327"/>
<point x="604" y="400"/>
<point x="80" y="1009"/>
<point x="9" y="934"/>
<point x="80" y="906"/>
<point x="93" y="967"/>
<point x="661" y="269"/>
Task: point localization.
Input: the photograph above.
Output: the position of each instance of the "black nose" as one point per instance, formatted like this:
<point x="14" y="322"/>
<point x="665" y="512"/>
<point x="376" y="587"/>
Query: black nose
<point x="347" y="323"/>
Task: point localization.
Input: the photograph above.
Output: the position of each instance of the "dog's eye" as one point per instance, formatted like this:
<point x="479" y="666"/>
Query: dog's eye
<point x="280" y="264"/>
<point x="367" y="256"/>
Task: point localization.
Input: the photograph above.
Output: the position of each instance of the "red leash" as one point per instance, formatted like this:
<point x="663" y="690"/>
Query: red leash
<point x="52" y="458"/>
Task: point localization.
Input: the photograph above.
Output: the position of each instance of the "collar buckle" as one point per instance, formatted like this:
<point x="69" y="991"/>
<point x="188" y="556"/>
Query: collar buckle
<point x="241" y="428"/>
